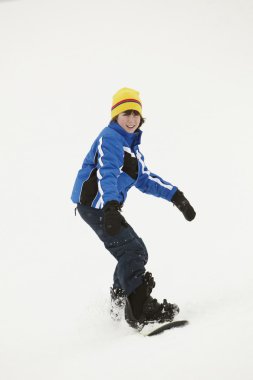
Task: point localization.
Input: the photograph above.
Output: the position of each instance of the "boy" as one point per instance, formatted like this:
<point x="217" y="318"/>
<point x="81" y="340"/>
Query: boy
<point x="112" y="166"/>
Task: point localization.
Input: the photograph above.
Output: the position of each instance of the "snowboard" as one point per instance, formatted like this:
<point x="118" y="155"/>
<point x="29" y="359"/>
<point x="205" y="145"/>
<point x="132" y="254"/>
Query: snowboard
<point x="158" y="328"/>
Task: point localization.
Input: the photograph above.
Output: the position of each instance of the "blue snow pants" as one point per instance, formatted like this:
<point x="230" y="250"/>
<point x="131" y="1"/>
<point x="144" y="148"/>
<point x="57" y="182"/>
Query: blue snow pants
<point x="127" y="248"/>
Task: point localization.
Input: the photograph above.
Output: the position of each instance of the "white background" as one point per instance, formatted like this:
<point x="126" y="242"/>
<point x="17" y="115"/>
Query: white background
<point x="60" y="63"/>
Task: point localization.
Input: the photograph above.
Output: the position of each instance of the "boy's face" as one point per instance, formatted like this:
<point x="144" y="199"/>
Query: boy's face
<point x="129" y="120"/>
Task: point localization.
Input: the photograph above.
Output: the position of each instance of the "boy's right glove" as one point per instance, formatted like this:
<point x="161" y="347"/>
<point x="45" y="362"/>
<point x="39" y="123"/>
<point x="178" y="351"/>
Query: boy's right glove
<point x="183" y="205"/>
<point x="113" y="220"/>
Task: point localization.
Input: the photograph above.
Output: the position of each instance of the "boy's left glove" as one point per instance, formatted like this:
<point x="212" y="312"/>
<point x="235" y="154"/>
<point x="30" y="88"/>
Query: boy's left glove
<point x="183" y="205"/>
<point x="113" y="220"/>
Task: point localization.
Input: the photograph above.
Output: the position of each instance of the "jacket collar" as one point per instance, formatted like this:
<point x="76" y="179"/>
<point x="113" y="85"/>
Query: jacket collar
<point x="133" y="139"/>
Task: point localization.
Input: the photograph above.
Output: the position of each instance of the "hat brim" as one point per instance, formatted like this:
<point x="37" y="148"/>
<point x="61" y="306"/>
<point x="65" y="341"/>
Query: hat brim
<point x="125" y="107"/>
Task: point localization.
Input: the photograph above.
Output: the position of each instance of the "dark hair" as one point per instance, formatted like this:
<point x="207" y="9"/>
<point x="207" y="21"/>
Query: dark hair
<point x="128" y="112"/>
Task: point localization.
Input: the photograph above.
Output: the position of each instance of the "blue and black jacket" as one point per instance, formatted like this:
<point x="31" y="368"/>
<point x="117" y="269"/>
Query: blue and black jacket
<point x="113" y="165"/>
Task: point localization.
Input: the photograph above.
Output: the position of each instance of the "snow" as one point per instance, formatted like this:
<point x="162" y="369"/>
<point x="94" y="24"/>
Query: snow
<point x="60" y="64"/>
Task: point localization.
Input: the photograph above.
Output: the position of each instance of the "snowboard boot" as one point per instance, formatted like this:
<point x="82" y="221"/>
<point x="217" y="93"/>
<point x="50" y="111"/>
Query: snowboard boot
<point x="141" y="309"/>
<point x="118" y="303"/>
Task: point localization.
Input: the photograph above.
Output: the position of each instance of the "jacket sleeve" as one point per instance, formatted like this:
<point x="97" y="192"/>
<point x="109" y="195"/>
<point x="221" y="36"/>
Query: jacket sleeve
<point x="151" y="183"/>
<point x="110" y="161"/>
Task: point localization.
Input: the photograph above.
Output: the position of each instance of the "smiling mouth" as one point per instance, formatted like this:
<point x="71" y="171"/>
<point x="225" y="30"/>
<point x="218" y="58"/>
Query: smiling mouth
<point x="130" y="126"/>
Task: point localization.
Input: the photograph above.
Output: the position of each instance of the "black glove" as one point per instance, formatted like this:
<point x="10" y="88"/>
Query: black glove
<point x="183" y="205"/>
<point x="113" y="220"/>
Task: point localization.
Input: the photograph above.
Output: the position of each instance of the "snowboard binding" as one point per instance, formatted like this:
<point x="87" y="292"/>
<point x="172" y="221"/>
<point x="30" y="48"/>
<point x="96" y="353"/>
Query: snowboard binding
<point x="141" y="309"/>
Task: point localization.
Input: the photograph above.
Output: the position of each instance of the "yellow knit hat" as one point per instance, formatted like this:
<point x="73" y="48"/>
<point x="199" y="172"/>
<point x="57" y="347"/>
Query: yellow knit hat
<point x="126" y="99"/>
